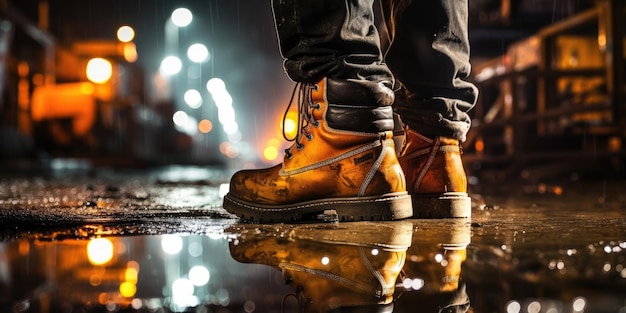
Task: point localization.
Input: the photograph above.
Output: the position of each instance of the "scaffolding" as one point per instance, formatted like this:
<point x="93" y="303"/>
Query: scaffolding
<point x="555" y="99"/>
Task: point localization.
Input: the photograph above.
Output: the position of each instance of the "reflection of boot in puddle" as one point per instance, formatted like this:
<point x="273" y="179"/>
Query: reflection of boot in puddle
<point x="331" y="266"/>
<point x="432" y="271"/>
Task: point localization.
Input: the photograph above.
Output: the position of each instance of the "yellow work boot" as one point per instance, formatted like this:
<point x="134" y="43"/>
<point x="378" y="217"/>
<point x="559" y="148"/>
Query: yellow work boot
<point x="342" y="165"/>
<point x="330" y="266"/>
<point x="434" y="174"/>
<point x="432" y="276"/>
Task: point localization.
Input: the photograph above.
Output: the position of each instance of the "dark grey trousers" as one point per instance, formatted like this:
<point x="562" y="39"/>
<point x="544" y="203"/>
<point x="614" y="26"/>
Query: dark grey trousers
<point x="418" y="48"/>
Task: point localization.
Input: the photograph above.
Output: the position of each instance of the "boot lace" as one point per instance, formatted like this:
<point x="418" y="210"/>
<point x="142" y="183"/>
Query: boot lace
<point x="305" y="115"/>
<point x="298" y="296"/>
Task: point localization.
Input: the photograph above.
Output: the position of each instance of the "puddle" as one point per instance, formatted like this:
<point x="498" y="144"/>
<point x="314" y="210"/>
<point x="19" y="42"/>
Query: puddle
<point x="346" y="267"/>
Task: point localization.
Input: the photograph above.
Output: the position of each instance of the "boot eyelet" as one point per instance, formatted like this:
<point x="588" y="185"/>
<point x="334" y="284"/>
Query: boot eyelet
<point x="318" y="106"/>
<point x="309" y="137"/>
<point x="288" y="154"/>
<point x="316" y="124"/>
<point x="316" y="87"/>
<point x="300" y="146"/>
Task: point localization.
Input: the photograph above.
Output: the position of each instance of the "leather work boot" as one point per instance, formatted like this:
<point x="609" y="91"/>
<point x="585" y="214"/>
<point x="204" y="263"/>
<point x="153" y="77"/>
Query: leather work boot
<point x="342" y="165"/>
<point x="330" y="266"/>
<point x="432" y="272"/>
<point x="434" y="173"/>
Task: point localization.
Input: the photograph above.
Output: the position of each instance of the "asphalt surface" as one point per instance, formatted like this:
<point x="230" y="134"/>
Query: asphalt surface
<point x="554" y="246"/>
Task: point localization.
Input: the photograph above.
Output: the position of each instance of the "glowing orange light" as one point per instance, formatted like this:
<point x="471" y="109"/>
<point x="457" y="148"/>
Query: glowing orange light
<point x="205" y="126"/>
<point x="131" y="275"/>
<point x="290" y="124"/>
<point x="130" y="52"/>
<point x="558" y="190"/>
<point x="479" y="145"/>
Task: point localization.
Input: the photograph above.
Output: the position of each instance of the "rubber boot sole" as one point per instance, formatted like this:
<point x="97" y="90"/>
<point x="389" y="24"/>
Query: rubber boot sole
<point x="387" y="207"/>
<point x="447" y="205"/>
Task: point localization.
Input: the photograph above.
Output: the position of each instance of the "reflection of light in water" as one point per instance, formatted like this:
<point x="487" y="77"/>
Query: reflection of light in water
<point x="199" y="275"/>
<point x="579" y="304"/>
<point x="182" y="294"/>
<point x="195" y="249"/>
<point x="171" y="244"/>
<point x="249" y="306"/>
<point x="136" y="304"/>
<point x="131" y="275"/>
<point x="99" y="251"/>
<point x="127" y="289"/>
<point x="413" y="284"/>
<point x="513" y="307"/>
<point x="534" y="307"/>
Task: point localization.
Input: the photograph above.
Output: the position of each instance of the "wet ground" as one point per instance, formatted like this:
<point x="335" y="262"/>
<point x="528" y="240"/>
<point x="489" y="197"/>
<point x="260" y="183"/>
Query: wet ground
<point x="159" y="241"/>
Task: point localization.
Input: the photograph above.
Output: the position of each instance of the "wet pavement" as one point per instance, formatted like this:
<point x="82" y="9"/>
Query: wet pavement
<point x="159" y="241"/>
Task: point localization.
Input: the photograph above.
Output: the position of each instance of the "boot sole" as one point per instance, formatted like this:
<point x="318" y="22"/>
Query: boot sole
<point x="447" y="205"/>
<point x="388" y="207"/>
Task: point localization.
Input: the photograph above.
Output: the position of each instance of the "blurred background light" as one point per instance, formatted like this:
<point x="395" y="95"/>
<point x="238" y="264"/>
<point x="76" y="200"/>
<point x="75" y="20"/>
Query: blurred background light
<point x="99" y="251"/>
<point x="99" y="70"/>
<point x="198" y="53"/>
<point x="171" y="65"/>
<point x="193" y="98"/>
<point x="171" y="244"/>
<point x="199" y="275"/>
<point x="125" y="34"/>
<point x="182" y="17"/>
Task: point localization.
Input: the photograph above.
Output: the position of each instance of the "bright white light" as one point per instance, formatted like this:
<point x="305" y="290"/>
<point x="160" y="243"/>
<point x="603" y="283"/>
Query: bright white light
<point x="182" y="17"/>
<point x="215" y="85"/>
<point x="438" y="258"/>
<point x="170" y="65"/>
<point x="193" y="98"/>
<point x="198" y="53"/>
<point x="579" y="304"/>
<point x="224" y="188"/>
<point x="172" y="244"/>
<point x="100" y="251"/>
<point x="182" y="287"/>
<point x="325" y="260"/>
<point x="185" y="123"/>
<point x="231" y="128"/>
<point x="513" y="307"/>
<point x="375" y="251"/>
<point x="534" y="307"/>
<point x="199" y="275"/>
<point x="226" y="114"/>
<point x="180" y="118"/>
<point x="413" y="284"/>
<point x="125" y="34"/>
<point x="99" y="70"/>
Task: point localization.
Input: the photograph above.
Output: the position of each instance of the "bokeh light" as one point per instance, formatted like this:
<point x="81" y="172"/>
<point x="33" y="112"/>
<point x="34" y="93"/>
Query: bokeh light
<point x="198" y="53"/>
<point x="99" y="70"/>
<point x="171" y="65"/>
<point x="182" y="17"/>
<point x="125" y="34"/>
<point x="99" y="251"/>
<point x="193" y="98"/>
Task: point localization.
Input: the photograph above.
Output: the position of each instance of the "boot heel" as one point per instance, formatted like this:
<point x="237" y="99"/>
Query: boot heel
<point x="447" y="205"/>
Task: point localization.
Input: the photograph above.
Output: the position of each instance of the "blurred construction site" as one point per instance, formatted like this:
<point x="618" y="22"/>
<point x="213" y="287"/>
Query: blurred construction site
<point x="550" y="73"/>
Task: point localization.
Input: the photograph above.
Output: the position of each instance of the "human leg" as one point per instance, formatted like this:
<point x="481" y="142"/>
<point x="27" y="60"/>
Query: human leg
<point x="428" y="51"/>
<point x="343" y="160"/>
